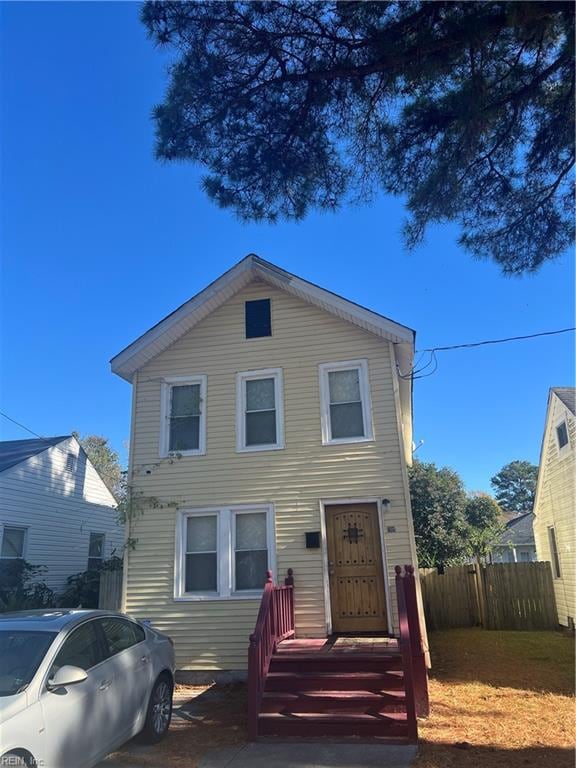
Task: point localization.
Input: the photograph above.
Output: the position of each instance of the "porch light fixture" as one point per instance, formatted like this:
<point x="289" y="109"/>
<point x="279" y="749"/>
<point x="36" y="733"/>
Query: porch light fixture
<point x="385" y="504"/>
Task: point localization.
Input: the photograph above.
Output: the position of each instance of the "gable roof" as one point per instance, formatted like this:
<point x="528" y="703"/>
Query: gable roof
<point x="252" y="267"/>
<point x="568" y="396"/>
<point x="518" y="531"/>
<point x="13" y="452"/>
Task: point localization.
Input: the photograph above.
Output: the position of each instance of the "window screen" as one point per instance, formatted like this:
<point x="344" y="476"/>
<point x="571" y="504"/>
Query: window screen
<point x="185" y="408"/>
<point x="201" y="554"/>
<point x="346" y="418"/>
<point x="562" y="434"/>
<point x="257" y="316"/>
<point x="260" y="412"/>
<point x="250" y="550"/>
<point x="13" y="542"/>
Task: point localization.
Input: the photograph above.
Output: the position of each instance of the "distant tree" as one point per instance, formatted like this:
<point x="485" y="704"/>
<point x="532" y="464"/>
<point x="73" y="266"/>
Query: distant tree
<point x="464" y="108"/>
<point x="438" y="509"/>
<point x="484" y="518"/>
<point x="515" y="486"/>
<point x="106" y="461"/>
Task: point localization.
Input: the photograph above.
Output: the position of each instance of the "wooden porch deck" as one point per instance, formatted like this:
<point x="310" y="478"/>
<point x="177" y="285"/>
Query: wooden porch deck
<point x="337" y="644"/>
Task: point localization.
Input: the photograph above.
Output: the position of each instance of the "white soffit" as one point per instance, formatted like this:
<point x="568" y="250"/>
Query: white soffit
<point x="175" y="325"/>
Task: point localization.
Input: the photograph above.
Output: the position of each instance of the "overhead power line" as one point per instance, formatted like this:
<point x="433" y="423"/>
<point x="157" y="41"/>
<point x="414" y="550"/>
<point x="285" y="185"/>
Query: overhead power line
<point x="421" y="371"/>
<point x="497" y="341"/>
<point x="50" y="444"/>
<point x="23" y="427"/>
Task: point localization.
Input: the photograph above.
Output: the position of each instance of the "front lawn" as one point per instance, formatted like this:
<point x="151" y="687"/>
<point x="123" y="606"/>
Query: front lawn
<point x="499" y="700"/>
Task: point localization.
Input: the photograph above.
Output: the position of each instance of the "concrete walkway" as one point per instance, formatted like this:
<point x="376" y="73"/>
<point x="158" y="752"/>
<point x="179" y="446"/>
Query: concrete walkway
<point x="310" y="755"/>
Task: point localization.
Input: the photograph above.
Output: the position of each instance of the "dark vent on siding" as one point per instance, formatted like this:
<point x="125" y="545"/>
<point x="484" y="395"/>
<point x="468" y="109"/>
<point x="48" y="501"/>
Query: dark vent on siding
<point x="258" y="318"/>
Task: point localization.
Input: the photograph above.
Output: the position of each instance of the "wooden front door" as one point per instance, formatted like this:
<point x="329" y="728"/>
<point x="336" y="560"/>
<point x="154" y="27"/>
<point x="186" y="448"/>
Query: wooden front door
<point x="355" y="568"/>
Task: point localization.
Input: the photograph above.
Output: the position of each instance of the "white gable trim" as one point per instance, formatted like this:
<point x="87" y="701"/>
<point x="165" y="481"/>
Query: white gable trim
<point x="550" y="424"/>
<point x="175" y="325"/>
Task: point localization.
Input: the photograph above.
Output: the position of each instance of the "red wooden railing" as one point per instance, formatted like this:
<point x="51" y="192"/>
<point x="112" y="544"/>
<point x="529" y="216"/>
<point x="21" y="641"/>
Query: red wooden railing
<point x="412" y="647"/>
<point x="275" y="622"/>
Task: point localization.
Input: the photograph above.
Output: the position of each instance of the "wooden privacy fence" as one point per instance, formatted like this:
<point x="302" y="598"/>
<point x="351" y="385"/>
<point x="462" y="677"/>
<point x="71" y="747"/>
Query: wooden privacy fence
<point x="110" y="595"/>
<point x="497" y="596"/>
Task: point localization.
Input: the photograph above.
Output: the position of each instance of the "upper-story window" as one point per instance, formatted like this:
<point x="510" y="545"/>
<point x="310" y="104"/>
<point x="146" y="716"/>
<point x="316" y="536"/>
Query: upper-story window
<point x="183" y="428"/>
<point x="259" y="407"/>
<point x="345" y="402"/>
<point x="562" y="435"/>
<point x="257" y="318"/>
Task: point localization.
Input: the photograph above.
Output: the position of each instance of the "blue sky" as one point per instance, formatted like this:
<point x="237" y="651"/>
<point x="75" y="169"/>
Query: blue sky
<point x="100" y="241"/>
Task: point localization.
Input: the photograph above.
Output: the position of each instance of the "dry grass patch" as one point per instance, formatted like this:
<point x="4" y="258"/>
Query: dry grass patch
<point x="500" y="699"/>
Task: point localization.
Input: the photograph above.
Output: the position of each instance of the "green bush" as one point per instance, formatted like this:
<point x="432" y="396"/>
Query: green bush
<point x="22" y="588"/>
<point x="83" y="589"/>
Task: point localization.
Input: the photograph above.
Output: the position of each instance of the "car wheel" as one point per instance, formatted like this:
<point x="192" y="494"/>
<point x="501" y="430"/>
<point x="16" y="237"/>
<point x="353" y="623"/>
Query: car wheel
<point x="159" y="711"/>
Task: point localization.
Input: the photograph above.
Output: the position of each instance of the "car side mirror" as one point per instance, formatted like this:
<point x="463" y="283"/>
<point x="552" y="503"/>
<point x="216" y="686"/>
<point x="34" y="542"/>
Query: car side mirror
<point x="67" y="675"/>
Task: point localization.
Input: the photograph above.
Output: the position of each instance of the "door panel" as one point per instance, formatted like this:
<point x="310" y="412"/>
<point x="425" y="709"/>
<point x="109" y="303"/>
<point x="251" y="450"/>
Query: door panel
<point x="131" y="667"/>
<point x="355" y="568"/>
<point x="77" y="718"/>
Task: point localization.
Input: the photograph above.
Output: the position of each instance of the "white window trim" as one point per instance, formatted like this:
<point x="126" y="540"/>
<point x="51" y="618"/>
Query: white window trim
<point x="565" y="449"/>
<point x="241" y="379"/>
<point x="345" y="365"/>
<point x="226" y="530"/>
<point x="103" y="556"/>
<point x="24" y="543"/>
<point x="165" y="401"/>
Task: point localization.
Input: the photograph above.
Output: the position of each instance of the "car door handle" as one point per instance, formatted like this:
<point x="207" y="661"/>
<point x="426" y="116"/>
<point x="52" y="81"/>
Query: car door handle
<point x="144" y="659"/>
<point x="104" y="685"/>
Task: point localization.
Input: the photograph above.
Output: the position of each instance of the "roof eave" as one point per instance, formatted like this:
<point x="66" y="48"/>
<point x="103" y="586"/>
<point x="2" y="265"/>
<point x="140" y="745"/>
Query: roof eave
<point x="175" y="325"/>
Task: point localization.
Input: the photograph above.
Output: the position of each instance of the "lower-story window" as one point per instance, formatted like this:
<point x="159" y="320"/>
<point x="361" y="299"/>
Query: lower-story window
<point x="223" y="552"/>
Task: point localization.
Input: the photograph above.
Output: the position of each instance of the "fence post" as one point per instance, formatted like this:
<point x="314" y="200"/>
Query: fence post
<point x="419" y="670"/>
<point x="289" y="582"/>
<point x="480" y="592"/>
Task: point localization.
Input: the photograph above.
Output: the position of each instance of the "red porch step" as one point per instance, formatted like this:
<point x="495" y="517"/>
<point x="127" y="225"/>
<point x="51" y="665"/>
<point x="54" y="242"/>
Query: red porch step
<point x="360" y="702"/>
<point x="390" y="727"/>
<point x="336" y="662"/>
<point x="334" y="681"/>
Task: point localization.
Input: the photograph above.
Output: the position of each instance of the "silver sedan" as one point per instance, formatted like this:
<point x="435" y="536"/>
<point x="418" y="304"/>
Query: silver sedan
<point x="75" y="685"/>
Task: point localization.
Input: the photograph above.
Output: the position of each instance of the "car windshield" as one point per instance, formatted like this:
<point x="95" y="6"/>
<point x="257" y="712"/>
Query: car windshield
<point x="21" y="652"/>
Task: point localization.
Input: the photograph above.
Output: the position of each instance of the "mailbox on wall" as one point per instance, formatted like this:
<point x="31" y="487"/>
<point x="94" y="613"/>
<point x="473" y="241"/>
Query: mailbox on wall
<point x="313" y="540"/>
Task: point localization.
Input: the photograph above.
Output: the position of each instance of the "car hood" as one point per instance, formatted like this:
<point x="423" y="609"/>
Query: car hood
<point x="12" y="705"/>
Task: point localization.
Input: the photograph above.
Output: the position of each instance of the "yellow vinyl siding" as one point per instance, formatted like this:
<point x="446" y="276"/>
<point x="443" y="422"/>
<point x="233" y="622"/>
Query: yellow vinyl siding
<point x="555" y="507"/>
<point x="214" y="634"/>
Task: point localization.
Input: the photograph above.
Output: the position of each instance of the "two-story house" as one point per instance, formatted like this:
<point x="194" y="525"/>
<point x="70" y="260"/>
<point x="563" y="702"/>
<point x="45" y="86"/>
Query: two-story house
<point x="271" y="429"/>
<point x="555" y="502"/>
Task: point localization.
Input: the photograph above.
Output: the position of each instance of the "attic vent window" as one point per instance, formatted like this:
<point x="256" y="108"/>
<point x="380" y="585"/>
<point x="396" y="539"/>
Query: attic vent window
<point x="257" y="316"/>
<point x="562" y="435"/>
<point x="70" y="463"/>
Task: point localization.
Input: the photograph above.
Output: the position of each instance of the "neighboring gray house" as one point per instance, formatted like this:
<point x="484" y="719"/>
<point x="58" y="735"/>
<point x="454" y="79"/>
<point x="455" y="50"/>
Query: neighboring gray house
<point x="55" y="509"/>
<point x="516" y="544"/>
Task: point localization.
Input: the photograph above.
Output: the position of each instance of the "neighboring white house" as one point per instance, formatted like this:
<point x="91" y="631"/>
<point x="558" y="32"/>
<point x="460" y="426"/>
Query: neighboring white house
<point x="55" y="509"/>
<point x="555" y="507"/>
<point x="516" y="543"/>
